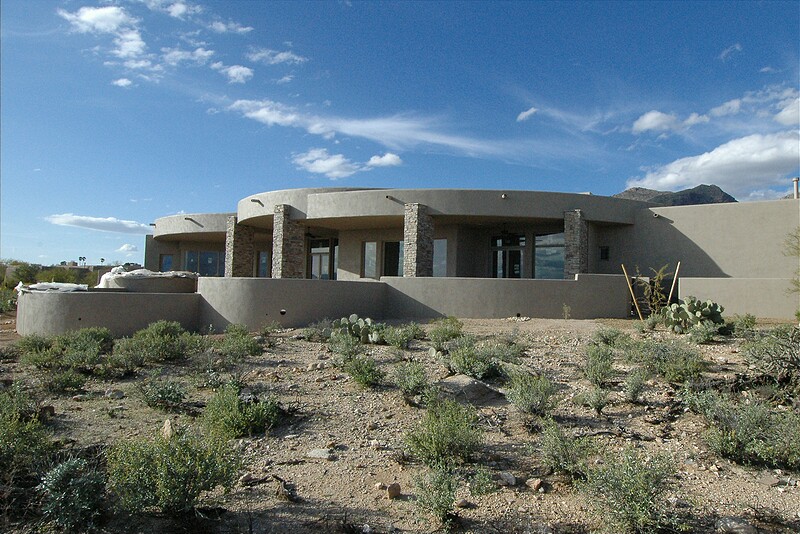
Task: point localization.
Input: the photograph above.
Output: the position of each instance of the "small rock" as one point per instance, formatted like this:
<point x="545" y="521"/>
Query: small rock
<point x="535" y="483"/>
<point x="769" y="480"/>
<point x="393" y="490"/>
<point x="311" y="367"/>
<point x="464" y="503"/>
<point x="507" y="479"/>
<point x="81" y="398"/>
<point x="166" y="430"/>
<point x="115" y="394"/>
<point x="46" y="412"/>
<point x="322" y="454"/>
<point x="380" y="486"/>
<point x="735" y="525"/>
<point x="372" y="426"/>
<point x="247" y="479"/>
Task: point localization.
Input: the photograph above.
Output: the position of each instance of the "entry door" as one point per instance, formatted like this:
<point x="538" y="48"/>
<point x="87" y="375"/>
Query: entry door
<point x="507" y="256"/>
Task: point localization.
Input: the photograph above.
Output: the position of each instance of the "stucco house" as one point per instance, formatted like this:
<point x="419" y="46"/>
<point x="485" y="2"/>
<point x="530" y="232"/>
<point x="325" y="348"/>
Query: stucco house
<point x="302" y="254"/>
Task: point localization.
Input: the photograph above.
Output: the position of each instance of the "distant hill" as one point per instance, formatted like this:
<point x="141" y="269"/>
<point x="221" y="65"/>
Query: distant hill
<point x="702" y="194"/>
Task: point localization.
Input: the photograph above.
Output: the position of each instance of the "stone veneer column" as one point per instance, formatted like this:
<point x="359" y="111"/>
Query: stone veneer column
<point x="288" y="245"/>
<point x="418" y="236"/>
<point x="576" y="244"/>
<point x="239" y="249"/>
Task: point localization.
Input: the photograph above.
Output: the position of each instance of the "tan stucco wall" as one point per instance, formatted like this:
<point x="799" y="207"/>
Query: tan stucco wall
<point x="588" y="296"/>
<point x="188" y="226"/>
<point x="123" y="313"/>
<point x="256" y="302"/>
<point x="739" y="240"/>
<point x="766" y="298"/>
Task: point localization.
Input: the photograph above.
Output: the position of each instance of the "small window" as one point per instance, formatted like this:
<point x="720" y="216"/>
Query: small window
<point x="440" y="257"/>
<point x="264" y="267"/>
<point x="165" y="263"/>
<point x="369" y="263"/>
<point x="604" y="254"/>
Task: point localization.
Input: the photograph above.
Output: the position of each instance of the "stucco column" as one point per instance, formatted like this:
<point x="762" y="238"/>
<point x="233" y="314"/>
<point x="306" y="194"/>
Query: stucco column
<point x="288" y="245"/>
<point x="239" y="250"/>
<point x="576" y="244"/>
<point x="418" y="237"/>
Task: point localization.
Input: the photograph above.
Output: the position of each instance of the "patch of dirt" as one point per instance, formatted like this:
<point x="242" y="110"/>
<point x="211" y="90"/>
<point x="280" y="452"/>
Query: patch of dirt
<point x="365" y="428"/>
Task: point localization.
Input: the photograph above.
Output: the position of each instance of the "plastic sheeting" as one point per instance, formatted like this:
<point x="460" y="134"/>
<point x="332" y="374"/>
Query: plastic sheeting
<point x="120" y="272"/>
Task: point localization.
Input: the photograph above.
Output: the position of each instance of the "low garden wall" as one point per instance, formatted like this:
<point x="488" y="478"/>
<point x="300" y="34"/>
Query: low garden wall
<point x="762" y="297"/>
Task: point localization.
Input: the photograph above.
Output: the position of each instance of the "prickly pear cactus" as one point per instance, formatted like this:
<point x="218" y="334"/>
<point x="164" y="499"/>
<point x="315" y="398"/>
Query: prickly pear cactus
<point x="363" y="329"/>
<point x="682" y="316"/>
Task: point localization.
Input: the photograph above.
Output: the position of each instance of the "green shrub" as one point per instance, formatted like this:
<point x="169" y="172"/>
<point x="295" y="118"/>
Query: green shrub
<point x="436" y="494"/>
<point x="674" y="361"/>
<point x="344" y="346"/>
<point x="599" y="367"/>
<point x="169" y="474"/>
<point x="48" y="358"/>
<point x="634" y="384"/>
<point x="33" y="343"/>
<point x="8" y="300"/>
<point x="628" y="490"/>
<point x="229" y="416"/>
<point x="160" y="342"/>
<point x="481" y="482"/>
<point x="319" y="331"/>
<point x="467" y="357"/>
<point x="446" y="435"/>
<point x="162" y="394"/>
<point x="410" y="378"/>
<point x="238" y="344"/>
<point x="744" y="326"/>
<point x="364" y="370"/>
<point x="776" y="355"/>
<point x="596" y="399"/>
<point x="563" y="453"/>
<point x="704" y="332"/>
<point x="92" y="338"/>
<point x="608" y="336"/>
<point x="532" y="394"/>
<point x="444" y="330"/>
<point x="401" y="336"/>
<point x="64" y="381"/>
<point x="72" y="495"/>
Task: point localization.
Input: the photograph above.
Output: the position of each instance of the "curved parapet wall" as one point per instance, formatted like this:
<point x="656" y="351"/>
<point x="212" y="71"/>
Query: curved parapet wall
<point x="49" y="313"/>
<point x="188" y="226"/>
<point x="158" y="284"/>
<point x="257" y="210"/>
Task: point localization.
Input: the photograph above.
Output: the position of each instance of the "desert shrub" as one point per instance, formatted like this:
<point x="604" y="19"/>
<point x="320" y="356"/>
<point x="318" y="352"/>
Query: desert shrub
<point x="776" y="355"/>
<point x="561" y="452"/>
<point x="238" y="344"/>
<point x="159" y="342"/>
<point x="364" y="370"/>
<point x="599" y="366"/>
<point x="481" y="482"/>
<point x="447" y="434"/>
<point x="607" y="336"/>
<point x="169" y="473"/>
<point x="229" y="416"/>
<point x="465" y="356"/>
<point x="743" y="326"/>
<point x="401" y="336"/>
<point x="436" y="494"/>
<point x="63" y="381"/>
<point x="48" y="358"/>
<point x="344" y="346"/>
<point x="24" y="445"/>
<point x="161" y="394"/>
<point x="628" y="490"/>
<point x="703" y="332"/>
<point x="674" y="361"/>
<point x="33" y="343"/>
<point x="748" y="433"/>
<point x="92" y="338"/>
<point x="319" y="331"/>
<point x="410" y="378"/>
<point x="634" y="384"/>
<point x="596" y="399"/>
<point x="72" y="495"/>
<point x="532" y="394"/>
<point x="8" y="299"/>
<point x="444" y="330"/>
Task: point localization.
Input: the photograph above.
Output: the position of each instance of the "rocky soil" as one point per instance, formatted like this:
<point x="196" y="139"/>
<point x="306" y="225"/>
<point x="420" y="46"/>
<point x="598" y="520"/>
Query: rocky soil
<point x="335" y="463"/>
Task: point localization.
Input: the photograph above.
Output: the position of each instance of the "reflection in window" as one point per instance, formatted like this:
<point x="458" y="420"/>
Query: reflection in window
<point x="393" y="258"/>
<point x="206" y="262"/>
<point x="165" y="263"/>
<point x="369" y="263"/>
<point x="549" y="257"/>
<point x="264" y="266"/>
<point x="507" y="253"/>
<point x="440" y="257"/>
<point x="322" y="257"/>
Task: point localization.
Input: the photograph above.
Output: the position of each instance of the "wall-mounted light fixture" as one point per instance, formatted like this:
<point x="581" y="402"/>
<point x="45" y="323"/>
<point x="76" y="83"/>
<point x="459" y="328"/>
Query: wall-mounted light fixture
<point x="504" y="196"/>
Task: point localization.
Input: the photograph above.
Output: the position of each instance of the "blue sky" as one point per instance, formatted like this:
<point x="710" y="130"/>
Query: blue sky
<point x="115" y="113"/>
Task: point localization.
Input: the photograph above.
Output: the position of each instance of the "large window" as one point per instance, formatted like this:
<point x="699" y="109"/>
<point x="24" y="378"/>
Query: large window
<point x="369" y="260"/>
<point x="165" y="263"/>
<point x="206" y="262"/>
<point x="440" y="257"/>
<point x="549" y="257"/>
<point x="393" y="258"/>
<point x="264" y="264"/>
<point x="322" y="258"/>
<point x="507" y="256"/>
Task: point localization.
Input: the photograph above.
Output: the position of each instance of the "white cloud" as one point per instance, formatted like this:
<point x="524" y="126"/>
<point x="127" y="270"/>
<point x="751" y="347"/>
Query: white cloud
<point x="127" y="247"/>
<point x="229" y="27"/>
<point x="107" y="19"/>
<point x="129" y="44"/>
<point x="655" y="121"/>
<point x="135" y="64"/>
<point x="318" y="161"/>
<point x="273" y="57"/>
<point x="105" y="224"/>
<point x="730" y="50"/>
<point x="739" y="166"/>
<point x="122" y="82"/>
<point x="695" y="118"/>
<point x="731" y="107"/>
<point x="173" y="56"/>
<point x="790" y="114"/>
<point x="235" y="73"/>
<point x="387" y="160"/>
<point x="525" y="115"/>
<point x="286" y="79"/>
<point x="767" y="70"/>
